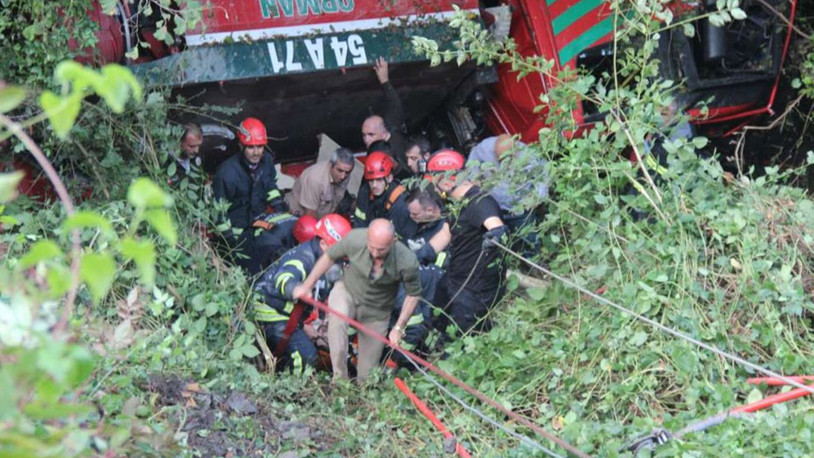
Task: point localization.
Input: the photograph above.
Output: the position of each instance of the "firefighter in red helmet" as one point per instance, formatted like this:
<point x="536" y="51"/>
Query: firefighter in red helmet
<point x="473" y="282"/>
<point x="279" y="315"/>
<point x="305" y="228"/>
<point x="248" y="183"/>
<point x="382" y="196"/>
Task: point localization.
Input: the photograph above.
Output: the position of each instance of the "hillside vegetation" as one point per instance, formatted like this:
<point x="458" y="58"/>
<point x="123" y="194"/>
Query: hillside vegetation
<point x="153" y="357"/>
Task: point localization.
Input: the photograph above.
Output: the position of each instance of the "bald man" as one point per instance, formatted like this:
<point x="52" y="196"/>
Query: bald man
<point x="378" y="263"/>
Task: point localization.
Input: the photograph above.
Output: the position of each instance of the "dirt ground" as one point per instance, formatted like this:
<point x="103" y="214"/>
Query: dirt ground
<point x="233" y="424"/>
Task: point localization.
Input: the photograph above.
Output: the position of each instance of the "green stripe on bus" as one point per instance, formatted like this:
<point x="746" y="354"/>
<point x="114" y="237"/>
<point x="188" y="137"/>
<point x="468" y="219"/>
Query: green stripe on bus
<point x="581" y="42"/>
<point x="572" y="14"/>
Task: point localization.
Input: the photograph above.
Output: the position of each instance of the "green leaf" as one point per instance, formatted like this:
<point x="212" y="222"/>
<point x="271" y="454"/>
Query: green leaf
<point x="700" y="142"/>
<point x="97" y="271"/>
<point x="738" y="14"/>
<point x="61" y="111"/>
<point x="162" y="223"/>
<point x="108" y="6"/>
<point x="638" y="339"/>
<point x="536" y="294"/>
<point x="143" y="193"/>
<point x="8" y="185"/>
<point x="115" y="86"/>
<point x="43" y="250"/>
<point x="249" y="350"/>
<point x="84" y="219"/>
<point x="42" y="411"/>
<point x="143" y="253"/>
<point x="59" y="280"/>
<point x="754" y="396"/>
<point x="11" y="97"/>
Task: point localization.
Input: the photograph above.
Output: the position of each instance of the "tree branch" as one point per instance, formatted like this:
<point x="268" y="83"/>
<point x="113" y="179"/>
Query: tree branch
<point x="62" y="192"/>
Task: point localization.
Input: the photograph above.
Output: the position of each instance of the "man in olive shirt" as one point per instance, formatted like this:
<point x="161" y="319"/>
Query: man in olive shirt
<point x="321" y="187"/>
<point x="378" y="263"/>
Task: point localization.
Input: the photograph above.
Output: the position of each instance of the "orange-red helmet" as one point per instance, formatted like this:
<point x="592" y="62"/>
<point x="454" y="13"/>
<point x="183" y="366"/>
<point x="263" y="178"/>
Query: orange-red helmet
<point x="378" y="165"/>
<point x="332" y="228"/>
<point x="305" y="228"/>
<point x="252" y="132"/>
<point x="445" y="160"/>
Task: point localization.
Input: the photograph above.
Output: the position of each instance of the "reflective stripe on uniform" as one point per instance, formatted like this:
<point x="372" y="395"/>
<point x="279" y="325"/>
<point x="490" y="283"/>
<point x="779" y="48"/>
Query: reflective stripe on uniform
<point x="297" y="265"/>
<point x="653" y="164"/>
<point x="267" y="313"/>
<point x="289" y="307"/>
<point x="273" y="194"/>
<point x="279" y="217"/>
<point x="360" y="214"/>
<point x="281" y="280"/>
<point x="296" y="361"/>
<point x="440" y="259"/>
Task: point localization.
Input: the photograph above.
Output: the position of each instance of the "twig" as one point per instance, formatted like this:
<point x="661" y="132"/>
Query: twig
<point x="62" y="192"/>
<point x="784" y="19"/>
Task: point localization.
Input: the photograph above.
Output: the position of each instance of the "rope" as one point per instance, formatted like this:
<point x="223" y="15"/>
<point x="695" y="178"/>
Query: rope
<point x="656" y="324"/>
<point x="522" y="438"/>
<point x="450" y="378"/>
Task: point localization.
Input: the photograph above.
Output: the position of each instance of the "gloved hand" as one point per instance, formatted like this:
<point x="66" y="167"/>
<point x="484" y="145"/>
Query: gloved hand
<point x="499" y="234"/>
<point x="426" y="254"/>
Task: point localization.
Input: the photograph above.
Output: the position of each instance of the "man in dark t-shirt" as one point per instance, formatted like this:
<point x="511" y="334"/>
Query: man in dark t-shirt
<point x="473" y="282"/>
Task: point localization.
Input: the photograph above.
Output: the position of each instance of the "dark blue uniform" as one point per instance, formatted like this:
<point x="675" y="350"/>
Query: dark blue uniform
<point x="419" y="243"/>
<point x="418" y="326"/>
<point x="273" y="312"/>
<point x="248" y="192"/>
<point x="392" y="205"/>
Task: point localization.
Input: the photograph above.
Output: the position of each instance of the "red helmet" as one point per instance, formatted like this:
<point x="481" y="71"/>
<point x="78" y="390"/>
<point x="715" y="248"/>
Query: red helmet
<point x="305" y="228"/>
<point x="252" y="132"/>
<point x="378" y="165"/>
<point x="332" y="228"/>
<point x="445" y="160"/>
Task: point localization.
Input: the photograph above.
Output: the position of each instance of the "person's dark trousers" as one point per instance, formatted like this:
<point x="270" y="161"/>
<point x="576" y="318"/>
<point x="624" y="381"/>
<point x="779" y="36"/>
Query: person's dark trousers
<point x="529" y="244"/>
<point x="259" y="251"/>
<point x="464" y="308"/>
<point x="300" y="351"/>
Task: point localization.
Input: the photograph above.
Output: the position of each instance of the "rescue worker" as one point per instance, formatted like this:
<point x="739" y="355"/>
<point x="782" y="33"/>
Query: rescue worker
<point x="417" y="154"/>
<point x="391" y="126"/>
<point x="277" y="235"/>
<point x="320" y="189"/>
<point x="278" y="313"/>
<point x="419" y="325"/>
<point x="248" y="182"/>
<point x="305" y="229"/>
<point x="432" y="236"/>
<point x="524" y="182"/>
<point x="377" y="265"/>
<point x="473" y="282"/>
<point x="382" y="196"/>
<point x="187" y="162"/>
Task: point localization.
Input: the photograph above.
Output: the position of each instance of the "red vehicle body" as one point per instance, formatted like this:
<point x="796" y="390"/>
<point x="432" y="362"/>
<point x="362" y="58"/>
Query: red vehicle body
<point x="303" y="66"/>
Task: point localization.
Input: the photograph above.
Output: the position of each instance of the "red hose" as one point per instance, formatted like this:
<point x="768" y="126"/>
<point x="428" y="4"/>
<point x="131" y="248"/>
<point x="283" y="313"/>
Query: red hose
<point x="771" y="381"/>
<point x="450" y="378"/>
<point x="769" y="401"/>
<point x="419" y="404"/>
